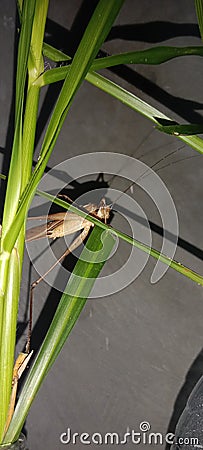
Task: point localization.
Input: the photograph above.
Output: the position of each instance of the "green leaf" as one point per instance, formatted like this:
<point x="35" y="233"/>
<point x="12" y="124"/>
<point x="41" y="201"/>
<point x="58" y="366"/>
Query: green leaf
<point x="95" y="33"/>
<point x="140" y="106"/>
<point x="199" y="12"/>
<point x="24" y="49"/>
<point x="35" y="67"/>
<point x="157" y="55"/>
<point x="8" y="336"/>
<point x="177" y="130"/>
<point x="140" y="245"/>
<point x="67" y="313"/>
<point x="11" y="264"/>
<point x="151" y="56"/>
<point x="14" y="180"/>
<point x="15" y="171"/>
<point x="53" y="54"/>
<point x="36" y="64"/>
<point x="123" y="95"/>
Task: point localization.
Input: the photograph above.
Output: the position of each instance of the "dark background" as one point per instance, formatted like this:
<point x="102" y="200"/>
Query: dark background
<point x="136" y="355"/>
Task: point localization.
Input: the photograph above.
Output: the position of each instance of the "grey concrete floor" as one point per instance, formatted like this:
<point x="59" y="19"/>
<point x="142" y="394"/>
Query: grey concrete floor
<point x="133" y="356"/>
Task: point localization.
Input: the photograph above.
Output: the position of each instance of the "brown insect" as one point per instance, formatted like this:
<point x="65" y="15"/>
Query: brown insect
<point x="59" y="225"/>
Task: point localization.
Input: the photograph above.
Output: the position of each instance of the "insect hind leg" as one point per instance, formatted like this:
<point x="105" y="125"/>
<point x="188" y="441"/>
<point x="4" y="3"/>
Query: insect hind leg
<point x="76" y="243"/>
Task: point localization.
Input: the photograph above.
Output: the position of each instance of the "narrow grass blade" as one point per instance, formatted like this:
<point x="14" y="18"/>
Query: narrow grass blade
<point x="8" y="336"/>
<point x="199" y="12"/>
<point x="145" y="248"/>
<point x="36" y="63"/>
<point x="177" y="130"/>
<point x="35" y="67"/>
<point x="15" y="172"/>
<point x="151" y="56"/>
<point x="14" y="180"/>
<point x="68" y="311"/>
<point x="24" y="49"/>
<point x="11" y="264"/>
<point x="140" y="106"/>
<point x="53" y="54"/>
<point x="121" y="94"/>
<point x="97" y="29"/>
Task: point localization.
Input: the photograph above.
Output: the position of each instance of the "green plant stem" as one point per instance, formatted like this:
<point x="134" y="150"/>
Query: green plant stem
<point x="29" y="129"/>
<point x="20" y="181"/>
<point x="8" y="335"/>
<point x="27" y="18"/>
<point x="97" y="29"/>
<point x="19" y="174"/>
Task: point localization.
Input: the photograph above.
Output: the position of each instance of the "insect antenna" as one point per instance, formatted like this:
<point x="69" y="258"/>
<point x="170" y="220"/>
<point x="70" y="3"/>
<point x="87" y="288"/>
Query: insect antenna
<point x="148" y="170"/>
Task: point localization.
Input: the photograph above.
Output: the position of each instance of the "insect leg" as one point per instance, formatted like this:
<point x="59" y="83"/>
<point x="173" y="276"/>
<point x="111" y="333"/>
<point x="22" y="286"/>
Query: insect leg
<point x="78" y="241"/>
<point x="19" y="367"/>
<point x="69" y="200"/>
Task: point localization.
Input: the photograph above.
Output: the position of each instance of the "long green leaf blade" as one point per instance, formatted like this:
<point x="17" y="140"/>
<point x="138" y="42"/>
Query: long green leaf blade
<point x="153" y="56"/>
<point x="140" y="245"/>
<point x="92" y="40"/>
<point x="8" y="336"/>
<point x="24" y="49"/>
<point x="67" y="313"/>
<point x="199" y="12"/>
<point x="139" y="105"/>
<point x="121" y="94"/>
<point x="54" y="54"/>
<point x="183" y="130"/>
<point x="35" y="67"/>
<point x="15" y="172"/>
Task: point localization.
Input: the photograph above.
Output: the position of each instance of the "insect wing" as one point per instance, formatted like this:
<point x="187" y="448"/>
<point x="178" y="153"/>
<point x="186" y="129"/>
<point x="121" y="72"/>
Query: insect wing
<point x="35" y="233"/>
<point x="58" y="225"/>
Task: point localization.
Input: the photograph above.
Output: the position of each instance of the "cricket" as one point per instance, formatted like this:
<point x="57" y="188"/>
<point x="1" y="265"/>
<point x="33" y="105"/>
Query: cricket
<point x="59" y="225"/>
